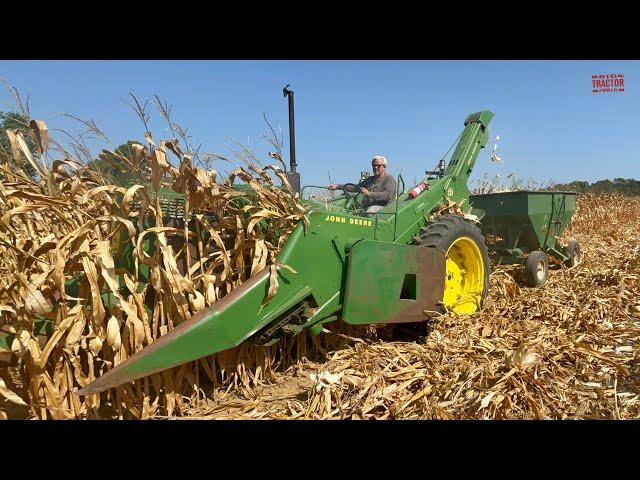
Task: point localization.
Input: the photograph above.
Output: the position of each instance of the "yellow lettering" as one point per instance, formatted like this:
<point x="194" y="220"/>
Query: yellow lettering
<point x="326" y="219"/>
<point x="332" y="218"/>
<point x="343" y="220"/>
<point x="359" y="222"/>
<point x="369" y="223"/>
<point x="351" y="221"/>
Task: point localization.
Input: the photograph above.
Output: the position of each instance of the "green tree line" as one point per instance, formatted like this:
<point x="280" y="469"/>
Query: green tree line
<point x="625" y="186"/>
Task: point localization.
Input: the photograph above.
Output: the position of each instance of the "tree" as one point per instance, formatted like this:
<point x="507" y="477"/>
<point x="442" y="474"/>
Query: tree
<point x="602" y="186"/>
<point x="15" y="120"/>
<point x="625" y="186"/>
<point x="114" y="168"/>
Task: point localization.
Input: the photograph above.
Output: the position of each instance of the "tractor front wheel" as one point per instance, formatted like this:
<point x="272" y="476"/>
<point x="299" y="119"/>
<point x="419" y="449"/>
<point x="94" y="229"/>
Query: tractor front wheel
<point x="466" y="282"/>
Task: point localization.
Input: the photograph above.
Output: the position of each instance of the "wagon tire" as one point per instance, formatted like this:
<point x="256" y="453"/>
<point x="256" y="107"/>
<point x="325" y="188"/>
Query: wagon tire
<point x="574" y="252"/>
<point x="536" y="268"/>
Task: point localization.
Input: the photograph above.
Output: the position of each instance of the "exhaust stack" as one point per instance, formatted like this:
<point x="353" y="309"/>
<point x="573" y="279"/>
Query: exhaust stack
<point x="292" y="175"/>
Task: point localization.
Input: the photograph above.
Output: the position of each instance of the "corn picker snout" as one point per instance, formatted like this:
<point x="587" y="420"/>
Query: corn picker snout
<point x="398" y="265"/>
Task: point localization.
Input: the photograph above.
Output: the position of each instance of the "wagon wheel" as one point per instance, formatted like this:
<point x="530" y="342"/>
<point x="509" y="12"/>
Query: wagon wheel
<point x="574" y="252"/>
<point x="537" y="268"/>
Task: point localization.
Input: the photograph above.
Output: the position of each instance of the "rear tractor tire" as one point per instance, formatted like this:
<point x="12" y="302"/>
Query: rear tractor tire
<point x="466" y="282"/>
<point x="574" y="252"/>
<point x="536" y="268"/>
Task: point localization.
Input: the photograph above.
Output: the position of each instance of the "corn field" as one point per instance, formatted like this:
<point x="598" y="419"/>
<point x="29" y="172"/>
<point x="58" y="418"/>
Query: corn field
<point x="91" y="273"/>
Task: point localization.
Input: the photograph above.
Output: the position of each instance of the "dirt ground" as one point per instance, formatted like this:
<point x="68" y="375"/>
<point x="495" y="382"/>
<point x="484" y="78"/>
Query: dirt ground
<point x="273" y="400"/>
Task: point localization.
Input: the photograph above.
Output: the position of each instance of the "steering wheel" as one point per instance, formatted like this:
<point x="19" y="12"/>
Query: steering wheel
<point x="354" y="196"/>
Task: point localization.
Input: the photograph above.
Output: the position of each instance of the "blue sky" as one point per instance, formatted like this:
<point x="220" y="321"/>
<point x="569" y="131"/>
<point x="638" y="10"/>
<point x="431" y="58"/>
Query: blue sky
<point x="551" y="125"/>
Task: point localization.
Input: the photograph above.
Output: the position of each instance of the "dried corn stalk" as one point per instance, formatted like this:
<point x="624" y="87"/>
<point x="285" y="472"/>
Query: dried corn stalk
<point x="90" y="273"/>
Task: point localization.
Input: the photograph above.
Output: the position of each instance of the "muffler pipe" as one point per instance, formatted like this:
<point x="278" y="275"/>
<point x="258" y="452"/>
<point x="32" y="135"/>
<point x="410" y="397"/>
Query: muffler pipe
<point x="292" y="176"/>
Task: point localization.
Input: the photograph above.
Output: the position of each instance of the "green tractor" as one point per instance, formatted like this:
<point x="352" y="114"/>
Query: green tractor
<point x="398" y="265"/>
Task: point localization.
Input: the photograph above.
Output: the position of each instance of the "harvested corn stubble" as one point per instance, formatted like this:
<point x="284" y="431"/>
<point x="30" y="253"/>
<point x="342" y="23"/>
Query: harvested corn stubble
<point x="566" y="350"/>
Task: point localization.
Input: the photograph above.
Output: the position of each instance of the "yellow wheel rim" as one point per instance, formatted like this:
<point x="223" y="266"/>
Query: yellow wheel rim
<point x="464" y="280"/>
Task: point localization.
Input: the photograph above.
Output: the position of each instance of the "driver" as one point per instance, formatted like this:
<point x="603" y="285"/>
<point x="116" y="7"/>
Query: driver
<point x="378" y="190"/>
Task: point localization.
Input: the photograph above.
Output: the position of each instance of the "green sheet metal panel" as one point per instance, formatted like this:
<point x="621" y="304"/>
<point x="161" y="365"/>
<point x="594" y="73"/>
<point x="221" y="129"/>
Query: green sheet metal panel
<point x="392" y="283"/>
<point x="549" y="214"/>
<point x="529" y="220"/>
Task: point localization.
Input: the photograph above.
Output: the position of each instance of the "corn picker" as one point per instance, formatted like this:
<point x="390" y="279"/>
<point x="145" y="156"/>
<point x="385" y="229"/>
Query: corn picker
<point x="399" y="265"/>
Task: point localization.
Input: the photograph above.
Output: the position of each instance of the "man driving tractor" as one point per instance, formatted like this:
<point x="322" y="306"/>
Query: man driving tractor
<point x="378" y="190"/>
